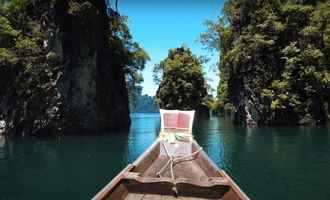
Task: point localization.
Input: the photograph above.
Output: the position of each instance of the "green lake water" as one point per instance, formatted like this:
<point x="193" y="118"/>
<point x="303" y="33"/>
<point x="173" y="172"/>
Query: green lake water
<point x="268" y="163"/>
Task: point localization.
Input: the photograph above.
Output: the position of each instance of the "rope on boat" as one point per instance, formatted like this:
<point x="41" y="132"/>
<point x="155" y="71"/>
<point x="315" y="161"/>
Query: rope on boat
<point x="174" y="160"/>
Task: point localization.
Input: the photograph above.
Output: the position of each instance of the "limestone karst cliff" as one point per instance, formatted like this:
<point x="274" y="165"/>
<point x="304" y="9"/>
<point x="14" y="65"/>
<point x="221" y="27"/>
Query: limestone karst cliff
<point x="274" y="60"/>
<point x="61" y="67"/>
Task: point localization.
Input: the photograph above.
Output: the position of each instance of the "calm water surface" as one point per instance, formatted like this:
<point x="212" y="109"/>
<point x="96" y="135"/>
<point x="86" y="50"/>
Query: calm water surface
<point x="268" y="163"/>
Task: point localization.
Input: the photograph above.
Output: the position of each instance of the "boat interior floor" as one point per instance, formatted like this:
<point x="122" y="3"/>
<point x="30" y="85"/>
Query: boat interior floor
<point x="187" y="169"/>
<point x="194" y="177"/>
<point x="137" y="196"/>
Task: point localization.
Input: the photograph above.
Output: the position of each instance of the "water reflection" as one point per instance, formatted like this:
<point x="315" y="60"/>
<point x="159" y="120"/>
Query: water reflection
<point x="2" y="141"/>
<point x="205" y="132"/>
<point x="3" y="150"/>
<point x="143" y="132"/>
<point x="294" y="160"/>
<point x="263" y="158"/>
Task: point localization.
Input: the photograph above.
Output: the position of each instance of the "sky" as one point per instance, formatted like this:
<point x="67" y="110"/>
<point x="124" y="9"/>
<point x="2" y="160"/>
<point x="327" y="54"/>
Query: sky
<point x="158" y="25"/>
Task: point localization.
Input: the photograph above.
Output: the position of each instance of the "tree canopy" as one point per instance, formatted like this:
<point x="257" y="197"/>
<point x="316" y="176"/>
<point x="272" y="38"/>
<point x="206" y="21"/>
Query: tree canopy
<point x="182" y="85"/>
<point x="274" y="58"/>
<point x="29" y="66"/>
<point x="132" y="56"/>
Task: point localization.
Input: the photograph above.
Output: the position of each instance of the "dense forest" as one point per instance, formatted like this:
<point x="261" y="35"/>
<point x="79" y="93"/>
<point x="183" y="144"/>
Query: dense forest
<point x="73" y="66"/>
<point x="274" y="60"/>
<point x="181" y="81"/>
<point x="66" y="66"/>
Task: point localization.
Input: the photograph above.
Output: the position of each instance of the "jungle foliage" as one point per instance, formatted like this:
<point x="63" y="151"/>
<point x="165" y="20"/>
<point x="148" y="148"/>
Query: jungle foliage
<point x="274" y="58"/>
<point x="133" y="56"/>
<point x="182" y="85"/>
<point x="28" y="72"/>
<point x="29" y="68"/>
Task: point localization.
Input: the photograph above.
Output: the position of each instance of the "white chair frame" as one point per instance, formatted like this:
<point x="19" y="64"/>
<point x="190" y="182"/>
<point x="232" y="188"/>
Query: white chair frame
<point x="191" y="113"/>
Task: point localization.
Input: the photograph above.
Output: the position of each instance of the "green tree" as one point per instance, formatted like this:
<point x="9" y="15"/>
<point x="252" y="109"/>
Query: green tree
<point x="274" y="59"/>
<point x="132" y="57"/>
<point x="30" y="69"/>
<point x="182" y="85"/>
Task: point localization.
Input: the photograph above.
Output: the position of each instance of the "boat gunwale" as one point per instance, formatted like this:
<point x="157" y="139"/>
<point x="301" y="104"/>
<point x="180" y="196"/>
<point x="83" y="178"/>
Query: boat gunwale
<point x="106" y="190"/>
<point x="146" y="153"/>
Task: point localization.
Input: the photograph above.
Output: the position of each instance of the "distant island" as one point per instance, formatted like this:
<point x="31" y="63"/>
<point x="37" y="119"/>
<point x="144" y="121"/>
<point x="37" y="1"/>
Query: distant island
<point x="143" y="103"/>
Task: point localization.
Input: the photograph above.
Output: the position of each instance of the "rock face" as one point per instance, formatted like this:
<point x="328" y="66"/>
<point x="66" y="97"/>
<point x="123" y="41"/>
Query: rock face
<point x="248" y="106"/>
<point x="86" y="91"/>
<point x="93" y="85"/>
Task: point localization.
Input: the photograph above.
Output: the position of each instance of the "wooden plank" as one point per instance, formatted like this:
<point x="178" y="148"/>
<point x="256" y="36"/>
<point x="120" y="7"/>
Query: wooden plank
<point x="131" y="175"/>
<point x="169" y="197"/>
<point x="184" y="189"/>
<point x="152" y="197"/>
<point x="234" y="187"/>
<point x="134" y="196"/>
<point x="214" y="181"/>
<point x="147" y="158"/>
<point x="119" y="192"/>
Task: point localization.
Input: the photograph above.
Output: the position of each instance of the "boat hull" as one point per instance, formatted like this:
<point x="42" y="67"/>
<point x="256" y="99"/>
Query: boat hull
<point x="196" y="177"/>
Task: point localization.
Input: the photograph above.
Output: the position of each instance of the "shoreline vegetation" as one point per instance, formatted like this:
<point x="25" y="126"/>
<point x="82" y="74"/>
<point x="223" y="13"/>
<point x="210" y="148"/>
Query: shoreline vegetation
<point x="73" y="66"/>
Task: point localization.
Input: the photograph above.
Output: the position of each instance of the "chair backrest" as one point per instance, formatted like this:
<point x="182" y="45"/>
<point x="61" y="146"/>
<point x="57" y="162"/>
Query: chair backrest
<point x="177" y="119"/>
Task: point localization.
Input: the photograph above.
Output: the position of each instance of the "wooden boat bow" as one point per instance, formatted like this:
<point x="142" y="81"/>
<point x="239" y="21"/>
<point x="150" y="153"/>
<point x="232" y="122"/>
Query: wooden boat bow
<point x="210" y="183"/>
<point x="162" y="173"/>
